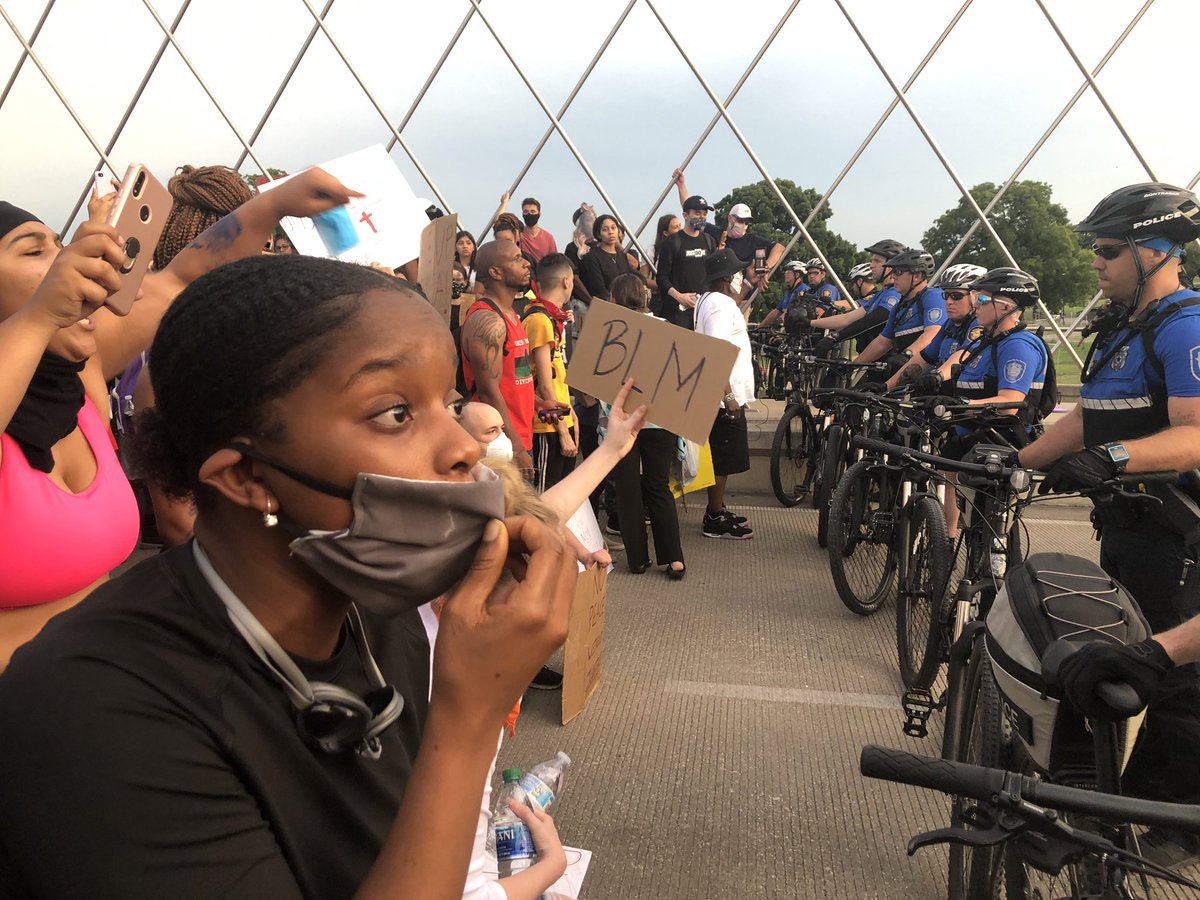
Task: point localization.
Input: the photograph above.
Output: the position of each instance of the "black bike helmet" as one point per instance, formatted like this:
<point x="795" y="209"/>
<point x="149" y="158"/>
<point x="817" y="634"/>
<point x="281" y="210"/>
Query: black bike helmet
<point x="1013" y="284"/>
<point x="886" y="248"/>
<point x="1146" y="210"/>
<point x="915" y="260"/>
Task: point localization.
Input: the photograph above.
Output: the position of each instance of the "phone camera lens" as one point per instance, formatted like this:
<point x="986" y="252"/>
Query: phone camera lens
<point x="144" y="212"/>
<point x="139" y="184"/>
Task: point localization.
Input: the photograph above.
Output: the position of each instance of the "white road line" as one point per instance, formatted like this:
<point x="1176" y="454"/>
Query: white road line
<point x="782" y="695"/>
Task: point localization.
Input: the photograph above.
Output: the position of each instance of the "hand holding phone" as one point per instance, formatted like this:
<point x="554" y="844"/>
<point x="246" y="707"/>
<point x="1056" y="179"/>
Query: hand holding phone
<point x="139" y="215"/>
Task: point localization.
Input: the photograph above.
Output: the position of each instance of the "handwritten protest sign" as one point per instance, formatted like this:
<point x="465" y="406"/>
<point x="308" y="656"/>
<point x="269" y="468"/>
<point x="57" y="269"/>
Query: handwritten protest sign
<point x="436" y="262"/>
<point x="384" y="226"/>
<point x="679" y="375"/>
<point x="584" y="651"/>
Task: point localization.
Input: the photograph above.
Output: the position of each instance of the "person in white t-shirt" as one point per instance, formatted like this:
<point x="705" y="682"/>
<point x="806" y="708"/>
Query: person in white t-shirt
<point x="717" y="315"/>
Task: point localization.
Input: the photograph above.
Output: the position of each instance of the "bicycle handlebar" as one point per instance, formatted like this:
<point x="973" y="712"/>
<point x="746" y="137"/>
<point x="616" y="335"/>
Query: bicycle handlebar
<point x="979" y="783"/>
<point x="997" y="472"/>
<point x="813" y="359"/>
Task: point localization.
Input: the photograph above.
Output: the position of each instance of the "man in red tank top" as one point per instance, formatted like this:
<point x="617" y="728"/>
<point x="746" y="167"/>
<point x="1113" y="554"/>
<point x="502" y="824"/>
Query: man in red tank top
<point x="495" y="349"/>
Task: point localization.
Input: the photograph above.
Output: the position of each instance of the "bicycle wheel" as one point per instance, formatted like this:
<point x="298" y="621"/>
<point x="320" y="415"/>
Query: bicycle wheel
<point x="833" y="464"/>
<point x="816" y="455"/>
<point x="789" y="457"/>
<point x="862" y="554"/>
<point x="921" y="605"/>
<point x="977" y="873"/>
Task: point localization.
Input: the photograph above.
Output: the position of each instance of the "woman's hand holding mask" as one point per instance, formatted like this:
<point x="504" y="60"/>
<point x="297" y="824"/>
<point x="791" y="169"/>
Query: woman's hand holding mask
<point x="496" y="632"/>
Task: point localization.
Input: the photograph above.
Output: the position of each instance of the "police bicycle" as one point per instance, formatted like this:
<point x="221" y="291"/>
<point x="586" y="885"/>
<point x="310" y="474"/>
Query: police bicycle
<point x="886" y="520"/>
<point x="1058" y="841"/>
<point x="796" y="448"/>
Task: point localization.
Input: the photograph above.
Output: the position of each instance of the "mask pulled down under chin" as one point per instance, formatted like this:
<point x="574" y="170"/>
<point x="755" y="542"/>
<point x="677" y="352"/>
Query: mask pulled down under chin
<point x="408" y="541"/>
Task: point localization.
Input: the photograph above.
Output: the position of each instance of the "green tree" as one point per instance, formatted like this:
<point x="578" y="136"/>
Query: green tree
<point x="772" y="220"/>
<point x="254" y="179"/>
<point x="1037" y="232"/>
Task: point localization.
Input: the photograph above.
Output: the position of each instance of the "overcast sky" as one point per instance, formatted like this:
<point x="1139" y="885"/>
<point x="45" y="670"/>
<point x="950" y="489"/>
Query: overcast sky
<point x="994" y="87"/>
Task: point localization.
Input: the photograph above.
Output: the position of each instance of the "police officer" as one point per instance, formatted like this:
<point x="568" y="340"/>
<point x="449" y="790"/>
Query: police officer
<point x="795" y="287"/>
<point x="1006" y="364"/>
<point x="826" y="297"/>
<point x="961" y="328"/>
<point x="916" y="319"/>
<point x="1140" y="412"/>
<point x="862" y="325"/>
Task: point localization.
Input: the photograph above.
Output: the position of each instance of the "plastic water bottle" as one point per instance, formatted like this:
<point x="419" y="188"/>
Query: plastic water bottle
<point x="514" y="844"/>
<point x="544" y="781"/>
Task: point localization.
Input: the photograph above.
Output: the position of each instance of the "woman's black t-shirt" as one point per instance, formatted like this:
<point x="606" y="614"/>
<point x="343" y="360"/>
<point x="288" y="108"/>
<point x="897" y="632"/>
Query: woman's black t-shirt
<point x="146" y="752"/>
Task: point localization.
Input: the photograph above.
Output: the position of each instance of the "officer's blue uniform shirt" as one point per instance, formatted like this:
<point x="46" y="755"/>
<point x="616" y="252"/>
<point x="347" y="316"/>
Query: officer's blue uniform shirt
<point x="1018" y="364"/>
<point x="952" y="338"/>
<point x="886" y="297"/>
<point x="906" y="321"/>
<point x="790" y="295"/>
<point x="826" y="296"/>
<point x="1117" y="399"/>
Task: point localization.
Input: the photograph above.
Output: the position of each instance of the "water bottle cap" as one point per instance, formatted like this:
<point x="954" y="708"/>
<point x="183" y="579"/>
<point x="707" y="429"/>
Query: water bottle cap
<point x="566" y="759"/>
<point x="511" y="775"/>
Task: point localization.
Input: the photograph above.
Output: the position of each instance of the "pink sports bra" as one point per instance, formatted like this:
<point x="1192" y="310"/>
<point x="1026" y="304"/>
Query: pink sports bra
<point x="52" y="542"/>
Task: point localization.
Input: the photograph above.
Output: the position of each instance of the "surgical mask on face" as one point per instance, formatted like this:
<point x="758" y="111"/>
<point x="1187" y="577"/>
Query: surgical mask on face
<point x="737" y="230"/>
<point x="408" y="541"/>
<point x="500" y="447"/>
<point x="531" y="219"/>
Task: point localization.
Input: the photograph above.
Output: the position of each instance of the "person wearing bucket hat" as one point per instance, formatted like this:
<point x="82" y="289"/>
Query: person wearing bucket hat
<point x="718" y="315"/>
<point x="1139" y="411"/>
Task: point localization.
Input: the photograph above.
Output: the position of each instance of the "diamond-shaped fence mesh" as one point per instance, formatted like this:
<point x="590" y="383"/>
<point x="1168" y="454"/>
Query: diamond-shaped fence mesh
<point x="892" y="110"/>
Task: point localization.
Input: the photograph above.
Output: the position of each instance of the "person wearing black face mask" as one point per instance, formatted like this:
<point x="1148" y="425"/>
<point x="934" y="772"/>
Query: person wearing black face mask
<point x="535" y="241"/>
<point x="273" y="675"/>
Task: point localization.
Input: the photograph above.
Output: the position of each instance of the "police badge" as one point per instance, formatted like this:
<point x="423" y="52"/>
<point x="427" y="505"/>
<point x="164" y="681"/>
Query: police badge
<point x="1014" y="369"/>
<point x="1118" y="360"/>
<point x="975" y="333"/>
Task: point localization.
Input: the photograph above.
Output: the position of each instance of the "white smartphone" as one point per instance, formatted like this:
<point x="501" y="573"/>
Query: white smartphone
<point x="103" y="184"/>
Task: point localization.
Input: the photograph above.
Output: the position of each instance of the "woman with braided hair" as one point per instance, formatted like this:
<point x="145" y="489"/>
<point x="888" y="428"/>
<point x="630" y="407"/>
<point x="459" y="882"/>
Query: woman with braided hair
<point x="67" y="515"/>
<point x="203" y="195"/>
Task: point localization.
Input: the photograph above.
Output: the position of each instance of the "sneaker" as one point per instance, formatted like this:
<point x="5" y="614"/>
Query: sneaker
<point x="547" y="680"/>
<point x="729" y="514"/>
<point x="1168" y="848"/>
<point x="718" y="526"/>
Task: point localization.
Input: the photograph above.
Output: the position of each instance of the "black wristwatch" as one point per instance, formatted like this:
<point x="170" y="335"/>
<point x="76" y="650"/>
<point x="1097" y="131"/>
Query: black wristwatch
<point x="1118" y="454"/>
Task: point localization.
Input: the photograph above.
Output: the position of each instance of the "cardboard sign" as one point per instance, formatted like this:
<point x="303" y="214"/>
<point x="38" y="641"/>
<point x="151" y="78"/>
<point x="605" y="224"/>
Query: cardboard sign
<point x="384" y="226"/>
<point x="585" y="642"/>
<point x="437" y="262"/>
<point x="679" y="375"/>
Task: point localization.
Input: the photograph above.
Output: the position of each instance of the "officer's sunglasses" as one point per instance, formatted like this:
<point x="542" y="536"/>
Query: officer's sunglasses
<point x="1109" y="251"/>
<point x="987" y="299"/>
<point x="957" y="295"/>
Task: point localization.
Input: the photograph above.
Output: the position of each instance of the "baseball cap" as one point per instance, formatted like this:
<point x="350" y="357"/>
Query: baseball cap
<point x="696" y="202"/>
<point x="741" y="211"/>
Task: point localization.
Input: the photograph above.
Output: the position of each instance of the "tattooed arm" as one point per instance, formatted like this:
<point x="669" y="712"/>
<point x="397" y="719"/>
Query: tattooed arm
<point x="483" y="340"/>
<point x="240" y="234"/>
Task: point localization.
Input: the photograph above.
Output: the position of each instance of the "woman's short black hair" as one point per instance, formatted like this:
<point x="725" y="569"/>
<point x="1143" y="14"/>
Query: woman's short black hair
<point x="235" y="340"/>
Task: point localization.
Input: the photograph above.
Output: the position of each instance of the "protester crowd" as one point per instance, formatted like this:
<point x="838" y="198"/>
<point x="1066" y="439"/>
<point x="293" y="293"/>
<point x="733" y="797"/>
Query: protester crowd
<point x="341" y="482"/>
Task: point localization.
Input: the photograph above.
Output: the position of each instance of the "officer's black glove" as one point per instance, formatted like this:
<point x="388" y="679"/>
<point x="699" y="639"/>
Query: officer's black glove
<point x="827" y="344"/>
<point x="929" y="383"/>
<point x="1079" y="471"/>
<point x="951" y="404"/>
<point x="1142" y="666"/>
<point x="873" y="387"/>
<point x="898" y="361"/>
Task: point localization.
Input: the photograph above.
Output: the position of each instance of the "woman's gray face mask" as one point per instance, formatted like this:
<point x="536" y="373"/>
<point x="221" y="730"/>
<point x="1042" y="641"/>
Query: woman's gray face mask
<point x="408" y="541"/>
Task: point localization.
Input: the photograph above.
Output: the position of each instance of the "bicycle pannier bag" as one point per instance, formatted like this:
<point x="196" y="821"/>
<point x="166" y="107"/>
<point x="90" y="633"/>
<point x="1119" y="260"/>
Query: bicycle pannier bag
<point x="1052" y="596"/>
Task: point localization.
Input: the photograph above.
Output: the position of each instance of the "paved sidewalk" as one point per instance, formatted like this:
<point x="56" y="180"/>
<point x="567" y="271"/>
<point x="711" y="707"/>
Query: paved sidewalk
<point x="719" y="756"/>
